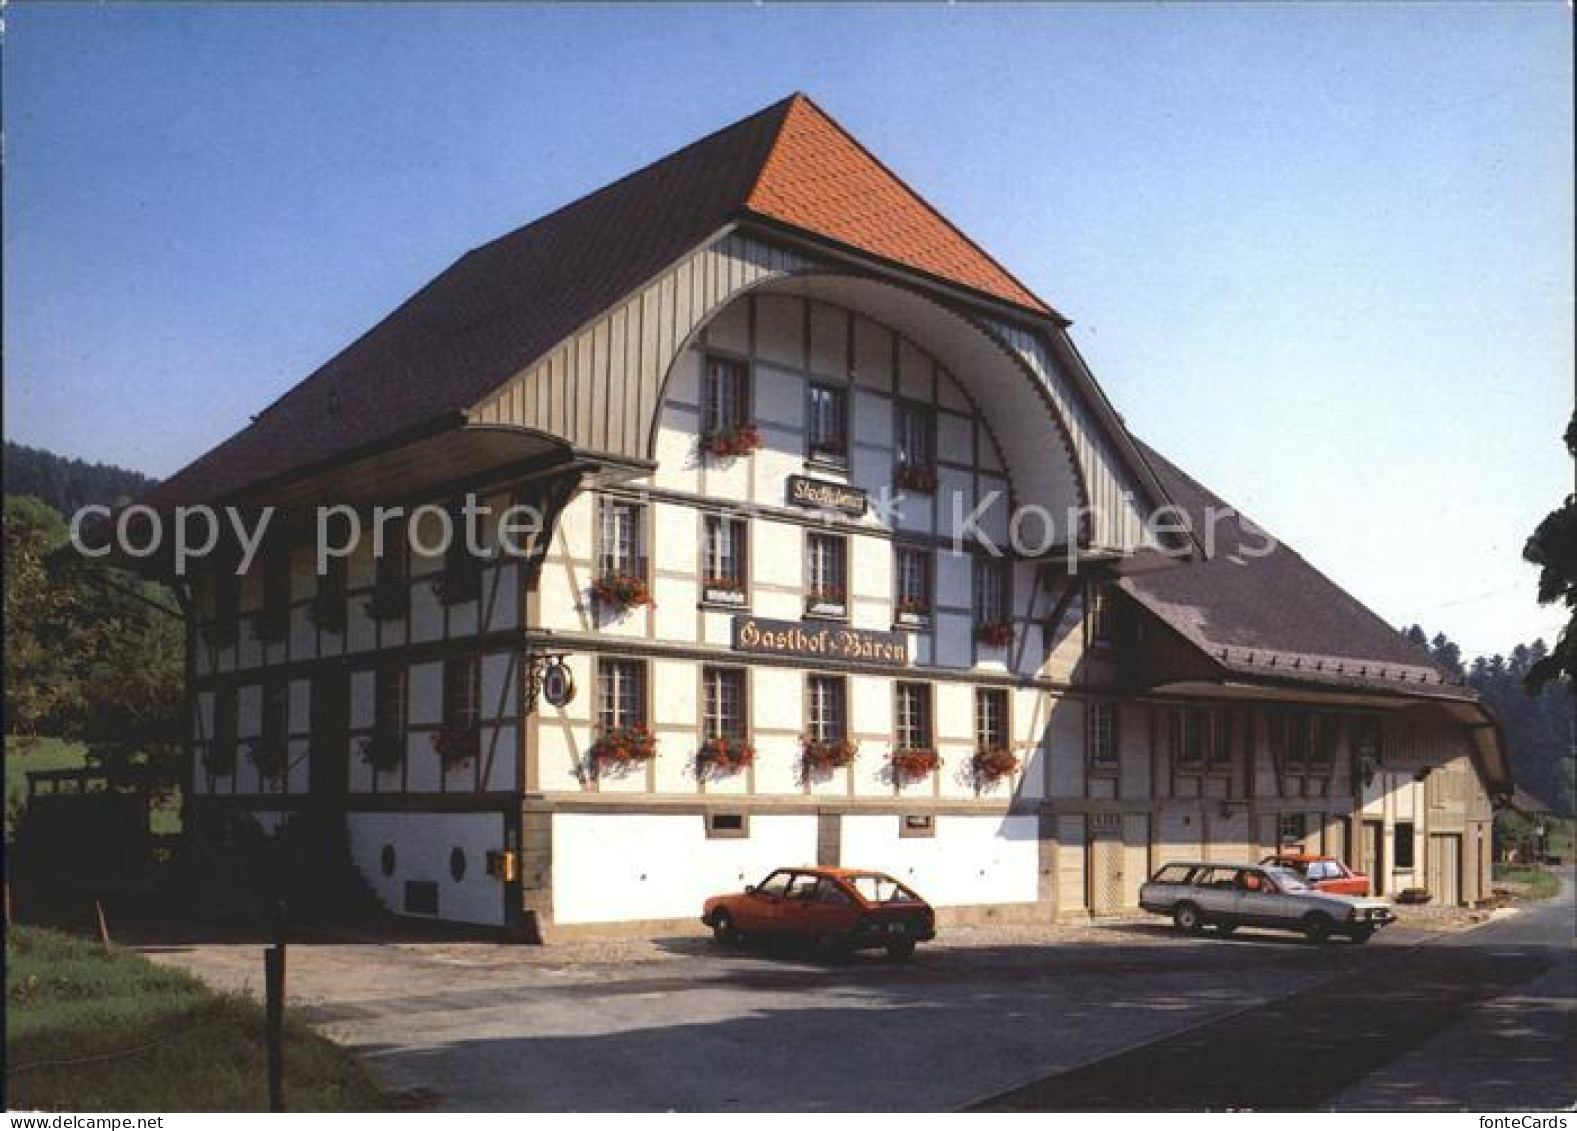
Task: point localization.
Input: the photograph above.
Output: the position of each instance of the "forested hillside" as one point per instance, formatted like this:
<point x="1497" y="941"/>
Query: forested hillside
<point x="67" y="484"/>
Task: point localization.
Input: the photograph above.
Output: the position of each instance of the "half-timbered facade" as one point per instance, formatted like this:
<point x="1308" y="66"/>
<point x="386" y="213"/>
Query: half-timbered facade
<point x="847" y="558"/>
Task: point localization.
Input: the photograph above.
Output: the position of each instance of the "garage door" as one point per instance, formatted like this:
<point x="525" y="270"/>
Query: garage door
<point x="1445" y="868"/>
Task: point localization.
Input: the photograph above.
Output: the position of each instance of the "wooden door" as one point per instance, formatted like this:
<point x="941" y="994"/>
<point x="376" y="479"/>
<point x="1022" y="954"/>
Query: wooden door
<point x="1445" y="868"/>
<point x="1373" y="862"/>
<point x="1106" y="872"/>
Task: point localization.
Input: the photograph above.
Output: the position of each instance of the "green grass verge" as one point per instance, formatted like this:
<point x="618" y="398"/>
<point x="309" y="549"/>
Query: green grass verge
<point x="24" y="754"/>
<point x="195" y="1049"/>
<point x="1542" y="884"/>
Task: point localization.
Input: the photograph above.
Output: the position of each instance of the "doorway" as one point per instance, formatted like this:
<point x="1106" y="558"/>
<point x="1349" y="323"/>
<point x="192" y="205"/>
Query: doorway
<point x="1373" y="862"/>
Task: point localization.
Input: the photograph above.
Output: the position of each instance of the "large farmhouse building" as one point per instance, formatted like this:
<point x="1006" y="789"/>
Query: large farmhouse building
<point x="784" y="424"/>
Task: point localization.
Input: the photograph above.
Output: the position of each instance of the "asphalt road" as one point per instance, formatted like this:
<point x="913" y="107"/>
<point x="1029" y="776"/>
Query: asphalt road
<point x="1119" y="1017"/>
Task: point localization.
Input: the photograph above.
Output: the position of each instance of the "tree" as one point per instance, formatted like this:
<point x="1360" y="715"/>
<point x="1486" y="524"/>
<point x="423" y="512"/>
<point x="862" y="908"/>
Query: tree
<point x="1553" y="548"/>
<point x="41" y="693"/>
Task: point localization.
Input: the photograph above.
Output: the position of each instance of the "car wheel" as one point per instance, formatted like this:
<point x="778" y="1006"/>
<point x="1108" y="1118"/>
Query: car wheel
<point x="1186" y="917"/>
<point x="723" y="929"/>
<point x="1317" y="927"/>
<point x="1362" y="934"/>
<point x="901" y="951"/>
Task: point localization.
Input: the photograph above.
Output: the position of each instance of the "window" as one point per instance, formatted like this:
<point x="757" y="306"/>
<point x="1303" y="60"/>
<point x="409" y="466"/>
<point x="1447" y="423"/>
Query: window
<point x="276" y="715"/>
<point x="829" y="891"/>
<point x="391" y="589"/>
<point x="1292" y="828"/>
<point x="775" y="884"/>
<point x="724" y="548"/>
<point x="462" y="576"/>
<point x="460" y="692"/>
<point x="916" y="437"/>
<point x="991" y="719"/>
<point x="1188" y="737"/>
<point x="828" y="718"/>
<point x="1098" y="614"/>
<point x="221" y="758"/>
<point x="389" y="706"/>
<point x="726" y="826"/>
<point x="912" y="568"/>
<point x="1103" y="734"/>
<point x="623" y="549"/>
<point x="1173" y="874"/>
<point x="724" y="702"/>
<point x="827" y="437"/>
<point x="724" y="395"/>
<point x="621" y="694"/>
<point x="328" y="605"/>
<point x="991" y="592"/>
<point x="274" y="620"/>
<point x="826" y="579"/>
<point x="1311" y="742"/>
<point x="1402" y="846"/>
<point x="914" y="716"/>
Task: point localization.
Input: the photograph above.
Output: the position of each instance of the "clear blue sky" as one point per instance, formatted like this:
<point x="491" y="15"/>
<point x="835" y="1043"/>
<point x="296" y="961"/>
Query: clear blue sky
<point x="1321" y="255"/>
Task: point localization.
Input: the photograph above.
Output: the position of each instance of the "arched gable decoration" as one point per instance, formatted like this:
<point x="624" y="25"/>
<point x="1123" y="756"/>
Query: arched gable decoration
<point x="1010" y="399"/>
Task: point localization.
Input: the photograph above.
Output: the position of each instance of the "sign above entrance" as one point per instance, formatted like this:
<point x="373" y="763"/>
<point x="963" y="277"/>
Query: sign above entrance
<point x="820" y="641"/>
<point x="823" y="495"/>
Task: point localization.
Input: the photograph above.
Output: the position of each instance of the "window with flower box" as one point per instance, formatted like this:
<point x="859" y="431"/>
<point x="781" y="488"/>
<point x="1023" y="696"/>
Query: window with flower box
<point x="384" y="748"/>
<point x="1310" y="741"/>
<point x="916" y="447"/>
<point x="827" y="425"/>
<point x="1102" y="736"/>
<point x="826" y="575"/>
<point x="912" y="570"/>
<point x="621" y="694"/>
<point x="461" y="578"/>
<point x="223" y="591"/>
<point x="914" y="716"/>
<point x="270" y="750"/>
<point x="991" y="718"/>
<point x="458" y="737"/>
<point x="725" y="743"/>
<point x="993" y="627"/>
<point x="272" y="621"/>
<point x="726" y="426"/>
<point x="1197" y="734"/>
<point x="725" y="549"/>
<point x="328" y="603"/>
<point x="623" y="579"/>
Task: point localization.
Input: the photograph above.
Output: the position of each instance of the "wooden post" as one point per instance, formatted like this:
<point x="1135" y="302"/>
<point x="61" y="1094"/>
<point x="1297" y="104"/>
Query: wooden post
<point x="274" y="983"/>
<point x="104" y="929"/>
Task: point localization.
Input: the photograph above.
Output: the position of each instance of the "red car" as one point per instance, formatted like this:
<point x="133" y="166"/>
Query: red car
<point x="1324" y="873"/>
<point x="833" y="909"/>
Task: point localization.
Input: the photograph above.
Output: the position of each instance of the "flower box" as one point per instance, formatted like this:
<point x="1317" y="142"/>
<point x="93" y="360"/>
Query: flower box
<point x="724" y="590"/>
<point x="382" y="752"/>
<point x="829" y="754"/>
<point x="912" y="764"/>
<point x="919" y="479"/>
<point x="388" y="604"/>
<point x="725" y="755"/>
<point x="622" y="591"/>
<point x="726" y="443"/>
<point x="456" y="745"/>
<point x="833" y="452"/>
<point x="995" y="634"/>
<point x="994" y="764"/>
<point x="914" y="612"/>
<point x="270" y="758"/>
<point x="455" y="586"/>
<point x="327" y="611"/>
<point x="827" y="602"/>
<point x="624" y="745"/>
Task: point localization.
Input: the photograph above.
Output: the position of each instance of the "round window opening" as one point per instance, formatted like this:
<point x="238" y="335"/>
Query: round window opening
<point x="457" y="864"/>
<point x="387" y="860"/>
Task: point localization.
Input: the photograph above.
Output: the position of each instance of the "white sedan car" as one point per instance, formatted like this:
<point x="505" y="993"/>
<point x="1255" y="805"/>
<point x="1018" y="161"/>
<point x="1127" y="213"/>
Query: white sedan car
<point x="1229" y="896"/>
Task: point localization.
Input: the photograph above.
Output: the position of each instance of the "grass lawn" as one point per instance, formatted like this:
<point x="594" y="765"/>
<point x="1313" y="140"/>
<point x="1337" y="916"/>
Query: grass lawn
<point x="1542" y="884"/>
<point x="24" y="754"/>
<point x="185" y="1047"/>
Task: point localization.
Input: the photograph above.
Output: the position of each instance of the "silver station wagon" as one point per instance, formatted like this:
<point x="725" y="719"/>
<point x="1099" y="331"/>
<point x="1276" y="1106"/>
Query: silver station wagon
<point x="1229" y="896"/>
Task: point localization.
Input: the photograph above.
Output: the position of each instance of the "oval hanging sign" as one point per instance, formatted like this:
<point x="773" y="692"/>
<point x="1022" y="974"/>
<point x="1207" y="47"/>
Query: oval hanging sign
<point x="558" y="684"/>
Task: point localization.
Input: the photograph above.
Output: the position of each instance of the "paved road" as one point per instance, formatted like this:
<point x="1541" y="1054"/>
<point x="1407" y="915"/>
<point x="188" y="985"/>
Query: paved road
<point x="1062" y="1019"/>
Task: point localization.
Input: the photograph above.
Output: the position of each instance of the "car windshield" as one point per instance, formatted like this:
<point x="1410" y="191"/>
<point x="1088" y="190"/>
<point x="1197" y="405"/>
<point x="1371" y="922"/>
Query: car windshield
<point x="875" y="888"/>
<point x="1286" y="879"/>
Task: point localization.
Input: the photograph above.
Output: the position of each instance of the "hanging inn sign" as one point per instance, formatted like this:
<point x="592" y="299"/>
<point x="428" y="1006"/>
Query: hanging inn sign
<point x="824" y="642"/>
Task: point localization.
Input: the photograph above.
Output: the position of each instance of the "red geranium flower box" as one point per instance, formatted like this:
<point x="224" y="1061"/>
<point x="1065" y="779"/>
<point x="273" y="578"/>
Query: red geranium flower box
<point x="726" y="755"/>
<point x="995" y="634"/>
<point x="829" y="754"/>
<point x="624" y="745"/>
<point x="994" y="764"/>
<point x="737" y="441"/>
<point x="623" y="591"/>
<point x="913" y="764"/>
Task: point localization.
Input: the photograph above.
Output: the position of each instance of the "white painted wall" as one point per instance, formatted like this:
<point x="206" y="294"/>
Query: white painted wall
<point x="969" y="860"/>
<point x="613" y="866"/>
<point x="422" y="845"/>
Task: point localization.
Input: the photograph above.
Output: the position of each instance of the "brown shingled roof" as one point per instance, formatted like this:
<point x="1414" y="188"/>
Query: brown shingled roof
<point x="1277" y="617"/>
<point x="501" y="307"/>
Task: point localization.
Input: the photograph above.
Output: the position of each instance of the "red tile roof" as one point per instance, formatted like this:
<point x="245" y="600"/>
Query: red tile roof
<point x="819" y="178"/>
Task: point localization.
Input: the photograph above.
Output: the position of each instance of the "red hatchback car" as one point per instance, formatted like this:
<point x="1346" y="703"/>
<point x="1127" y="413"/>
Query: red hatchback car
<point x="1324" y="873"/>
<point x="832" y="909"/>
